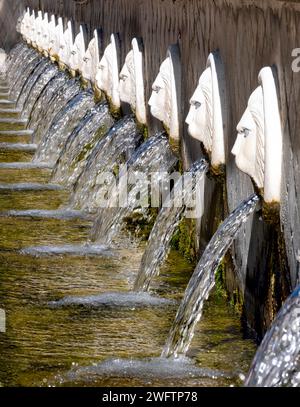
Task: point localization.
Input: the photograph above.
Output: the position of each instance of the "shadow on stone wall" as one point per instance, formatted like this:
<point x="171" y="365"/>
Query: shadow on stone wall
<point x="9" y="13"/>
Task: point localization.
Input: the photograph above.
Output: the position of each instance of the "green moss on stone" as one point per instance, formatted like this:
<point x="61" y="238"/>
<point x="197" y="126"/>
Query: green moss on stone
<point x="89" y="146"/>
<point x="98" y="96"/>
<point x="184" y="239"/>
<point x="114" y="111"/>
<point x="143" y="130"/>
<point x="140" y="224"/>
<point x="220" y="277"/>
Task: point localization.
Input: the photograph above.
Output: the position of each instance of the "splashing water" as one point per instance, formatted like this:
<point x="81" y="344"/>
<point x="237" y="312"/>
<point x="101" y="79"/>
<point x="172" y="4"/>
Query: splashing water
<point x="46" y="75"/>
<point x="30" y="64"/>
<point x="14" y="52"/>
<point x="40" y="109"/>
<point x="154" y="155"/>
<point x="167" y="222"/>
<point x="11" y="67"/>
<point x="13" y="58"/>
<point x="145" y="369"/>
<point x="277" y="361"/>
<point x="19" y="64"/>
<point x="30" y="83"/>
<point x="80" y="144"/>
<point x="202" y="280"/>
<point x="63" y="124"/>
<point x="58" y="103"/>
<point x="62" y="214"/>
<point x="117" y="299"/>
<point x="114" y="148"/>
<point x="70" y="250"/>
<point x="70" y="133"/>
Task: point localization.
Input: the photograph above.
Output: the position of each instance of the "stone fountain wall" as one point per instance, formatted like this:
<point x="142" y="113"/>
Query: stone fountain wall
<point x="9" y="13"/>
<point x="249" y="34"/>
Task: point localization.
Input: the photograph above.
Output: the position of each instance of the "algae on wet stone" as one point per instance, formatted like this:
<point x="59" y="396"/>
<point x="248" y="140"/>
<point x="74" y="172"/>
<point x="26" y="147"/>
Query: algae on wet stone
<point x="184" y="240"/>
<point x="87" y="149"/>
<point x="140" y="224"/>
<point x="15" y="175"/>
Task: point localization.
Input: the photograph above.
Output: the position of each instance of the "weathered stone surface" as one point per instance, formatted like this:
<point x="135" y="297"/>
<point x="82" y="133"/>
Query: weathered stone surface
<point x="9" y="13"/>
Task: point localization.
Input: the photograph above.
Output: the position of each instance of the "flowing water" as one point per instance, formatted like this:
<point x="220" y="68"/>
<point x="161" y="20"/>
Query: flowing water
<point x="30" y="82"/>
<point x="47" y="74"/>
<point x="203" y="280"/>
<point x="71" y="318"/>
<point x="166" y="223"/>
<point x="41" y="106"/>
<point x="154" y="155"/>
<point x="80" y="144"/>
<point x="55" y="321"/>
<point x="114" y="149"/>
<point x="12" y="60"/>
<point x="62" y="126"/>
<point x="25" y="56"/>
<point x="48" y="333"/>
<point x="57" y="104"/>
<point x="277" y="361"/>
<point x="13" y="54"/>
<point x="30" y="63"/>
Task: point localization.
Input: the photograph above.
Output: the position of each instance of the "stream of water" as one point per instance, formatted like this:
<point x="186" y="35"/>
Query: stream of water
<point x="71" y="315"/>
<point x="80" y="144"/>
<point x="154" y="155"/>
<point x="112" y="150"/>
<point x="62" y="126"/>
<point x="277" y="361"/>
<point x="59" y="102"/>
<point x="203" y="280"/>
<point x="167" y="222"/>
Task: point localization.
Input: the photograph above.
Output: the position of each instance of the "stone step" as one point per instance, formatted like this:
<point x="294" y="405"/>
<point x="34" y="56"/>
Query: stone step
<point x="31" y="165"/>
<point x="31" y="186"/>
<point x="16" y="155"/>
<point x="16" y="136"/>
<point x="26" y="132"/>
<point x="10" y="113"/>
<point x="7" y="104"/>
<point x="26" y="139"/>
<point x="13" y="124"/>
<point x="13" y="174"/>
<point x="4" y="95"/>
<point x="21" y="197"/>
<point x="29" y="147"/>
<point x="4" y="89"/>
